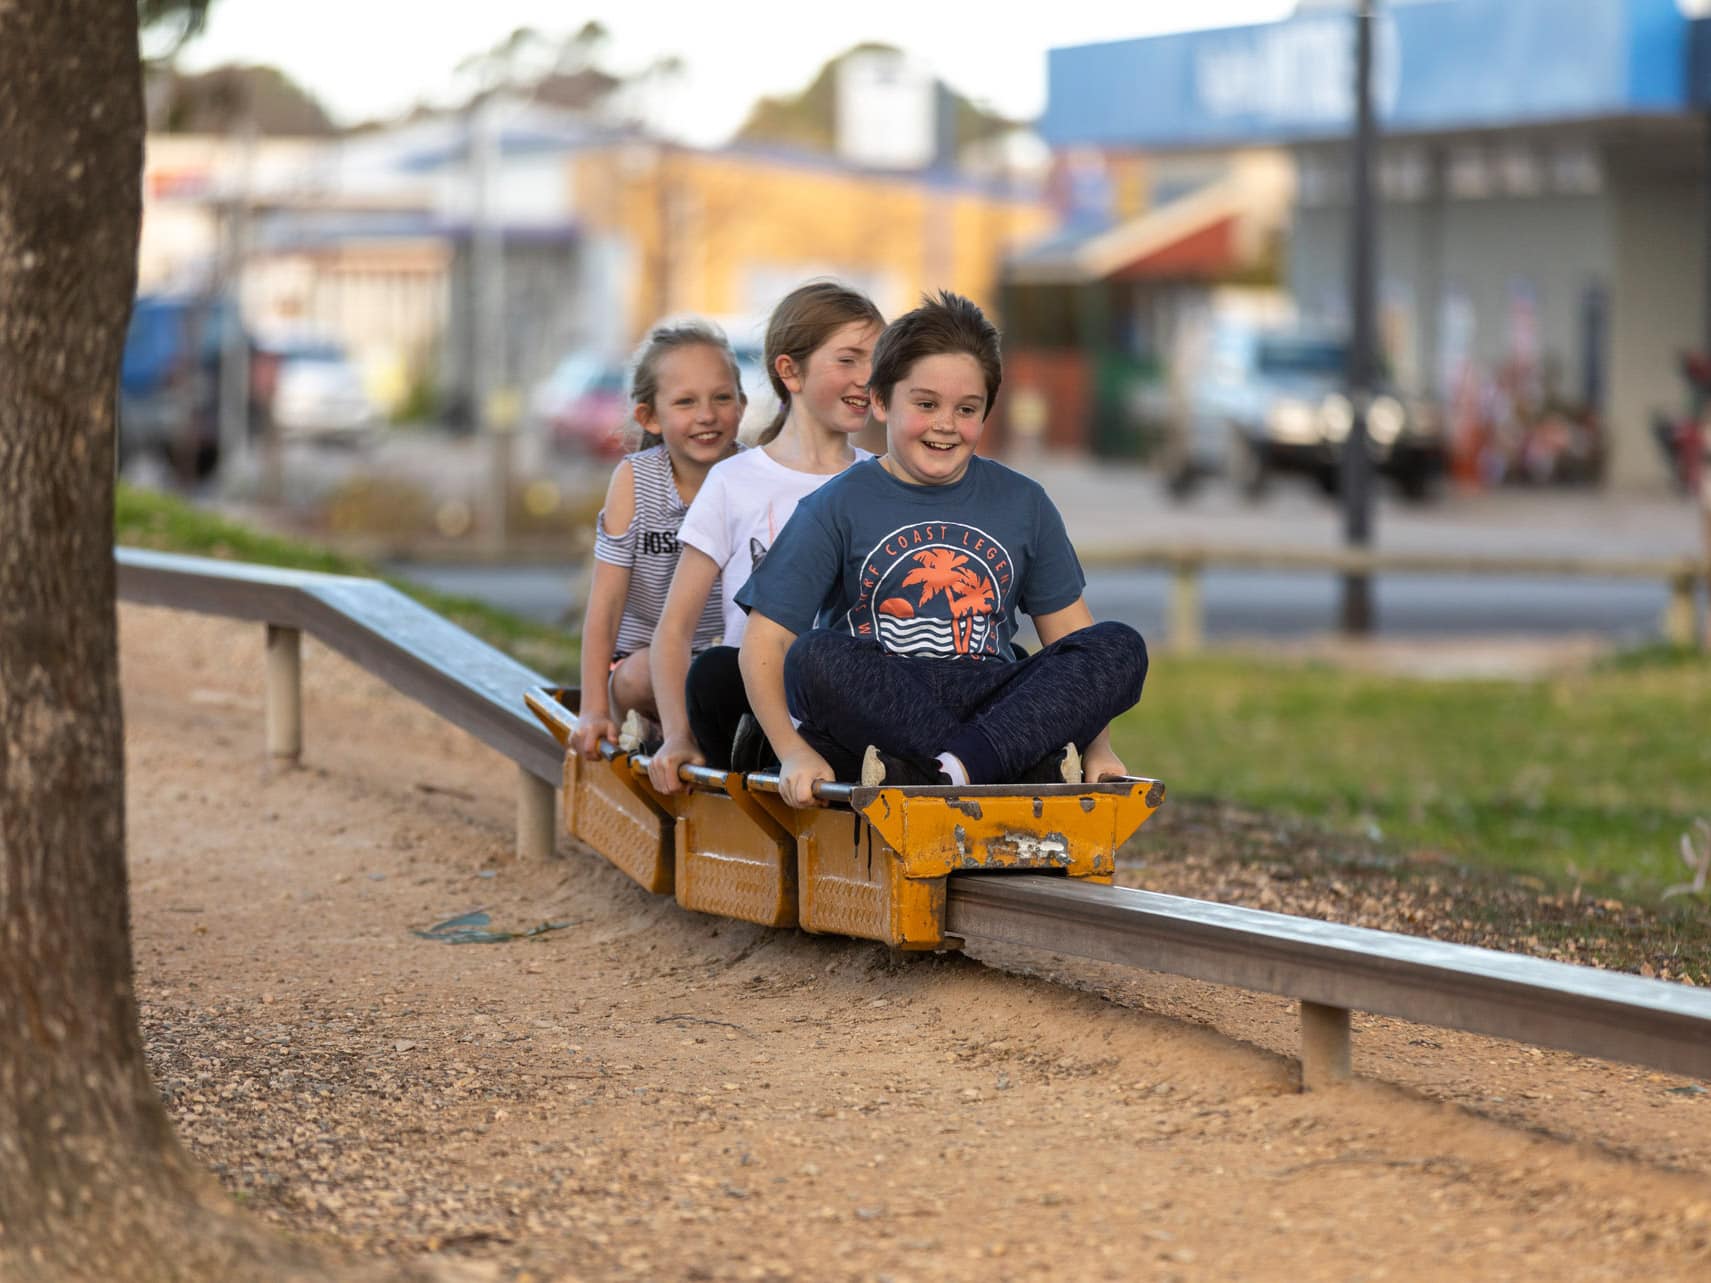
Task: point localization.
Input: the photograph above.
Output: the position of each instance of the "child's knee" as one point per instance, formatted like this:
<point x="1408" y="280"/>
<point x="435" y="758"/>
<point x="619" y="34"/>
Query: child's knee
<point x="806" y="666"/>
<point x="632" y="684"/>
<point x="1124" y="653"/>
<point x="710" y="675"/>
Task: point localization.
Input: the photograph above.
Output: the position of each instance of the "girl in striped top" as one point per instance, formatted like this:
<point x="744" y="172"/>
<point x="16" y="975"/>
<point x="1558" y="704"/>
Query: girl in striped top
<point x="688" y="400"/>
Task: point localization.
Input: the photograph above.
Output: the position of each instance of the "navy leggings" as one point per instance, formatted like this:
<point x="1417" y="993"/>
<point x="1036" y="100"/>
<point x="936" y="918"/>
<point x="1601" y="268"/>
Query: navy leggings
<point x="998" y="718"/>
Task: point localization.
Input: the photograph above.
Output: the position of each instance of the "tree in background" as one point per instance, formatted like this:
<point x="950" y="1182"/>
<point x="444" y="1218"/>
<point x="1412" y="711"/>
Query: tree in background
<point x="555" y="71"/>
<point x="208" y="102"/>
<point x="93" y="1181"/>
<point x="810" y="119"/>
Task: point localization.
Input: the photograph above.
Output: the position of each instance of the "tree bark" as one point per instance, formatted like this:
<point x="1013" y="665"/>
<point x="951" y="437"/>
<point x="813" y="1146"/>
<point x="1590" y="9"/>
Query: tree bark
<point x="72" y="1079"/>
<point x="93" y="1183"/>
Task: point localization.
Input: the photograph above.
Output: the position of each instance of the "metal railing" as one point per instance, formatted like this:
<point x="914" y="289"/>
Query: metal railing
<point x="422" y="654"/>
<point x="1185" y="618"/>
<point x="1330" y="969"/>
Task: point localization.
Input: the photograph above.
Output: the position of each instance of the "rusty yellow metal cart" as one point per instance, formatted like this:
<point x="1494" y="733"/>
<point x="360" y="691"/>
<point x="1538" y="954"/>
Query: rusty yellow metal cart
<point x="869" y="862"/>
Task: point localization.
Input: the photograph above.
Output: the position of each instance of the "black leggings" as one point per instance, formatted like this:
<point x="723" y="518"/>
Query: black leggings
<point x="717" y="701"/>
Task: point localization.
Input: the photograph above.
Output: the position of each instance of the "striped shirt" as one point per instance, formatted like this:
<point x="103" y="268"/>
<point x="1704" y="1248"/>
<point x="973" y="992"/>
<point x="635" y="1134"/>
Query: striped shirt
<point x="649" y="551"/>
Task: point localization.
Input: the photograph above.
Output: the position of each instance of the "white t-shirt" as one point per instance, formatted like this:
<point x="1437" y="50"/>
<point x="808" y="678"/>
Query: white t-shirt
<point x="738" y="512"/>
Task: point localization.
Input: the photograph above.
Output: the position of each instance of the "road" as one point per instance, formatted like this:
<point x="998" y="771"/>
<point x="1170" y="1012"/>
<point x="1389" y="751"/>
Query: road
<point x="1107" y="505"/>
<point x="1238" y="604"/>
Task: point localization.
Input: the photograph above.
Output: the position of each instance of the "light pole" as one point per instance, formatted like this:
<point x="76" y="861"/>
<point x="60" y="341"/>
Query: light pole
<point x="1356" y="461"/>
<point x="494" y="414"/>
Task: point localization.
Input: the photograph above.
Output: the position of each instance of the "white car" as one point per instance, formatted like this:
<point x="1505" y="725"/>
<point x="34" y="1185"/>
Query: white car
<point x="320" y="394"/>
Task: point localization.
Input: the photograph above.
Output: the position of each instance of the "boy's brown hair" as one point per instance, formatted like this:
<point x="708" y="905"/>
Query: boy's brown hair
<point x="948" y="323"/>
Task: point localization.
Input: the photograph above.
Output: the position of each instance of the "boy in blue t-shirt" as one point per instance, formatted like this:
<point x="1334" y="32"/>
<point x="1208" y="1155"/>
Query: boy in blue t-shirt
<point x="879" y="637"/>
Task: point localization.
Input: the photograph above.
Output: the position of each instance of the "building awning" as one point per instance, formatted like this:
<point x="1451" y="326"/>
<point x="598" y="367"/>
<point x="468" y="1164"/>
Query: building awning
<point x="1203" y="236"/>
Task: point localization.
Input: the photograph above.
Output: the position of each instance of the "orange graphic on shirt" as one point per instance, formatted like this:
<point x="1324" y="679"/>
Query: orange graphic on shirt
<point x="939" y="571"/>
<point x="966" y="593"/>
<point x="975" y="599"/>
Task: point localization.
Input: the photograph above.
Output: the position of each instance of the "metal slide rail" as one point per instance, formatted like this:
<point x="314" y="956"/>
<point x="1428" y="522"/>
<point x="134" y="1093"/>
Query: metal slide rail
<point x="1334" y="969"/>
<point x="1329" y="968"/>
<point x="422" y="654"/>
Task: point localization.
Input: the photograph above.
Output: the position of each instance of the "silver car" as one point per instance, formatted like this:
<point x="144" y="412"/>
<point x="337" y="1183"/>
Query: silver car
<point x="1270" y="400"/>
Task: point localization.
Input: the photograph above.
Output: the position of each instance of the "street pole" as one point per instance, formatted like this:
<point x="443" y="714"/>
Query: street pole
<point x="1702" y="408"/>
<point x="234" y="390"/>
<point x="493" y="416"/>
<point x="1356" y="462"/>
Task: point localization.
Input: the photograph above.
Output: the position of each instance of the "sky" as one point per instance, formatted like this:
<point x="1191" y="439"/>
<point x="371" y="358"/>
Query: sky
<point x="366" y="59"/>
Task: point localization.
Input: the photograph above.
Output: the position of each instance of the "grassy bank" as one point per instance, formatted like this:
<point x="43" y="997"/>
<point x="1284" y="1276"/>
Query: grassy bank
<point x="1589" y="778"/>
<point x="1584" y="780"/>
<point x="146" y="519"/>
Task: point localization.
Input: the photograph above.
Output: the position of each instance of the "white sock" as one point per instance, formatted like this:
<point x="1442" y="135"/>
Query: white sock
<point x="954" y="768"/>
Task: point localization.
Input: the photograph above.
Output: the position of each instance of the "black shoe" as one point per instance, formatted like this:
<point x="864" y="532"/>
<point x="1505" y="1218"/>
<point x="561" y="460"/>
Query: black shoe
<point x="898" y="772"/>
<point x="750" y="749"/>
<point x="1061" y="767"/>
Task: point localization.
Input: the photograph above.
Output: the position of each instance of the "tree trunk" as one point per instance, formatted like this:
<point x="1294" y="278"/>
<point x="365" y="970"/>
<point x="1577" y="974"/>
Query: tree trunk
<point x="73" y="1088"/>
<point x="93" y="1183"/>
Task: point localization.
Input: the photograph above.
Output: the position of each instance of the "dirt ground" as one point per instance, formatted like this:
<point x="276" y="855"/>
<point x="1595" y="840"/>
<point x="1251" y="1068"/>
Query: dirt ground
<point x="645" y="1093"/>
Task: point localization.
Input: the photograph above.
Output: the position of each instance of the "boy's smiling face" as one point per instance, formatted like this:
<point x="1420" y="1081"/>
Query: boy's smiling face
<point x="933" y="419"/>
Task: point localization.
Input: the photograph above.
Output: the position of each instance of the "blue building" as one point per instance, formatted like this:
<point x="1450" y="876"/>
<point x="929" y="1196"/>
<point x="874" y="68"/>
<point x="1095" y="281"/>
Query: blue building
<point x="1542" y="175"/>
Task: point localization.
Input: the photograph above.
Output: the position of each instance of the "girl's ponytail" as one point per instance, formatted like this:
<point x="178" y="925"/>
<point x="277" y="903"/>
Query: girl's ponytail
<point x="771" y="431"/>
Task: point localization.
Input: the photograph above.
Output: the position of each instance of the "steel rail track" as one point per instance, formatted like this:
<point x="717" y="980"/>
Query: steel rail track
<point x="1329" y="968"/>
<point x="1608" y="1014"/>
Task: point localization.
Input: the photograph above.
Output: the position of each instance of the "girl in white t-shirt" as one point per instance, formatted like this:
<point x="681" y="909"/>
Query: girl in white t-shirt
<point x="819" y="353"/>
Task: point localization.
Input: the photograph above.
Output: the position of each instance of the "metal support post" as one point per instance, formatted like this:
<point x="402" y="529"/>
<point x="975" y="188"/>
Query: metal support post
<point x="1324" y="1046"/>
<point x="284" y="695"/>
<point x="1681" y="616"/>
<point x="1187" y="632"/>
<point x="537" y="829"/>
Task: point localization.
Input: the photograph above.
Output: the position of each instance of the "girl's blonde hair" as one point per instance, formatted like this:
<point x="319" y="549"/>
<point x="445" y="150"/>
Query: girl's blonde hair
<point x="664" y="338"/>
<point x="801" y="323"/>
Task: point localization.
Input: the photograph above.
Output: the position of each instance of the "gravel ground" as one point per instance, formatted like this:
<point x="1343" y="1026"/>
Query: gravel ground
<point x="642" y="1092"/>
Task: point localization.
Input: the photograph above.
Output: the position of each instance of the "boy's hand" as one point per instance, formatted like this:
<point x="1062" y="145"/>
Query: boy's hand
<point x="590" y="730"/>
<point x="798" y="772"/>
<point x="677" y="751"/>
<point x="1101" y="763"/>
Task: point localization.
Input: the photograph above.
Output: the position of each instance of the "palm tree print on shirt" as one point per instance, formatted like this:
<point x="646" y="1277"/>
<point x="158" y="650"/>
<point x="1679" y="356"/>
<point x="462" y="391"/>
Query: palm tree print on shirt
<point x="967" y="593"/>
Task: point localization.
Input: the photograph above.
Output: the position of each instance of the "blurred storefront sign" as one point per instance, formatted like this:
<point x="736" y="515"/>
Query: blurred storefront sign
<point x="1445" y="65"/>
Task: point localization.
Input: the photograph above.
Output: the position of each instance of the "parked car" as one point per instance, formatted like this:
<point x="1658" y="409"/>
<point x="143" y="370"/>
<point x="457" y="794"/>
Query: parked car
<point x="584" y="405"/>
<point x="169" y="381"/>
<point x="1271" y="400"/>
<point x="320" y="393"/>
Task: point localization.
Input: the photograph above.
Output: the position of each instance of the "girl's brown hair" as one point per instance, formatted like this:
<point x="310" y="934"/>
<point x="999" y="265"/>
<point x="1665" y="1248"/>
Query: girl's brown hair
<point x="801" y="323"/>
<point x="666" y="337"/>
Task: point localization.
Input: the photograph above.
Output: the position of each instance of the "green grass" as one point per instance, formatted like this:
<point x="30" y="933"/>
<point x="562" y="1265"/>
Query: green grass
<point x="1589" y="778"/>
<point x="147" y="519"/>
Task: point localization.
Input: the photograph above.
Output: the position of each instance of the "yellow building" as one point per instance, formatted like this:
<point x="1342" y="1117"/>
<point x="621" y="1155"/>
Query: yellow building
<point x="728" y="232"/>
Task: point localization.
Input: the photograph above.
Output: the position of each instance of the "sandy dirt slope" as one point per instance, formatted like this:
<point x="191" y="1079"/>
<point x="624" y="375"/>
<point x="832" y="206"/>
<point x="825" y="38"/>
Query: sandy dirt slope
<point x="648" y="1093"/>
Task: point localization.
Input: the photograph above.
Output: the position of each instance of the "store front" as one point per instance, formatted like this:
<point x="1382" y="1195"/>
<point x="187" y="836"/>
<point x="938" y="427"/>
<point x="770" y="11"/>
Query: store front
<point x="1542" y="181"/>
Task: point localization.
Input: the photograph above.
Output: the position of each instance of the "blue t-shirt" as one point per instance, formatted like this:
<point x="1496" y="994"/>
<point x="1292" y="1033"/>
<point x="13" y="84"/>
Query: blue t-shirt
<point x="936" y="571"/>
